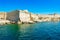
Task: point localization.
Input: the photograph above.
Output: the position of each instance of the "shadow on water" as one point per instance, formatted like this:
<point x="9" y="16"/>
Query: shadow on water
<point x="9" y="32"/>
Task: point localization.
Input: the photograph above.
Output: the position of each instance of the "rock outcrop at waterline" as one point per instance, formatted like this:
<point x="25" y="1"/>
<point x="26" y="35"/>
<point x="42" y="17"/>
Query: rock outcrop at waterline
<point x="23" y="16"/>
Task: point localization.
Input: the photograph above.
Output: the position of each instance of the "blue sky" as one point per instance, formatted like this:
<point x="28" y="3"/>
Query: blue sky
<point x="35" y="6"/>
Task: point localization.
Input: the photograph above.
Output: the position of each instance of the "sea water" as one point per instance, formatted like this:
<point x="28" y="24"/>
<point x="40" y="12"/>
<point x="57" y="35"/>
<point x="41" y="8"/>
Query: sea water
<point x="36" y="31"/>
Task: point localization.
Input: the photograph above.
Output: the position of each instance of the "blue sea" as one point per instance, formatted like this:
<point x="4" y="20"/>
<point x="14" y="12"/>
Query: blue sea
<point x="36" y="31"/>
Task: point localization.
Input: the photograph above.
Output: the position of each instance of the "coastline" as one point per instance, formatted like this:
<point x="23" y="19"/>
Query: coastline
<point x="26" y="17"/>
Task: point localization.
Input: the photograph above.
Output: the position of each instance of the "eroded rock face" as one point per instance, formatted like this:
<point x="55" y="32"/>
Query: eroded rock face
<point x="13" y="16"/>
<point x="22" y="16"/>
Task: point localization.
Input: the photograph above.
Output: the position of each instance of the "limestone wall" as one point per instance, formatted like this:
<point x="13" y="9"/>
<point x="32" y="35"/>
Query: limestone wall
<point x="24" y="16"/>
<point x="2" y="15"/>
<point x="35" y="17"/>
